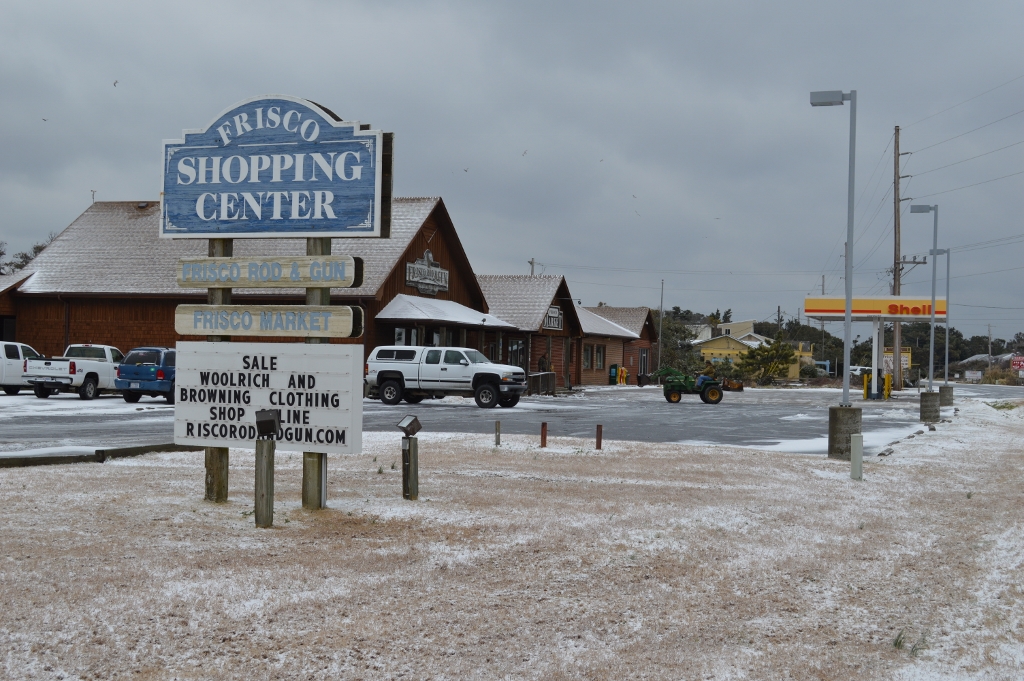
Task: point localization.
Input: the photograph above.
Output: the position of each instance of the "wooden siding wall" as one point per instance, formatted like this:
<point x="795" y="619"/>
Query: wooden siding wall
<point x="7" y="308"/>
<point x="613" y="355"/>
<point x="631" y="356"/>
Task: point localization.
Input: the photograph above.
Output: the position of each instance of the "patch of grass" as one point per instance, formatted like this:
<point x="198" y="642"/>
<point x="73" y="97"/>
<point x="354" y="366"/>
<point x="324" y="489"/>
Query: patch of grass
<point x="861" y="526"/>
<point x="920" y="644"/>
<point x="1002" y="406"/>
<point x="970" y="494"/>
<point x="901" y="640"/>
<point x="380" y="469"/>
<point x="392" y="465"/>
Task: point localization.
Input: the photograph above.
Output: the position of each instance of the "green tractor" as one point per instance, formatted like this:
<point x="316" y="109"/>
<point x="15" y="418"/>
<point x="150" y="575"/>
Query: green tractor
<point x="676" y="384"/>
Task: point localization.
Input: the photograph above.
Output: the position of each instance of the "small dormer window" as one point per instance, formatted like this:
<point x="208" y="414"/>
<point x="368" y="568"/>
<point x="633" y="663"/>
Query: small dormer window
<point x="728" y="332"/>
<point x="553" y="319"/>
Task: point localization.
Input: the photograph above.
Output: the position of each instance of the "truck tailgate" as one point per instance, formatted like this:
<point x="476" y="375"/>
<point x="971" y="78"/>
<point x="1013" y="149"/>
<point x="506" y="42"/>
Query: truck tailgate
<point x="48" y="368"/>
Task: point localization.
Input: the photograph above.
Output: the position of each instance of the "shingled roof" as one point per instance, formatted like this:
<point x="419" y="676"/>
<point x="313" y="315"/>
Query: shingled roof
<point x="114" y="248"/>
<point x="521" y="300"/>
<point x="632" y="318"/>
<point x="596" y="325"/>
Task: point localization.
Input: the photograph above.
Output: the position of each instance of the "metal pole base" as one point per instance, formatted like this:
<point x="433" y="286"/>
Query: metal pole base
<point x="945" y="396"/>
<point x="217" y="474"/>
<point x="264" y="502"/>
<point x="842" y="423"/>
<point x="930" y="407"/>
<point x="314" y="481"/>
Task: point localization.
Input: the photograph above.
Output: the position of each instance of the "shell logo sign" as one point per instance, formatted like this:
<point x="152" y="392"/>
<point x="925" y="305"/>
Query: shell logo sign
<point x="902" y="308"/>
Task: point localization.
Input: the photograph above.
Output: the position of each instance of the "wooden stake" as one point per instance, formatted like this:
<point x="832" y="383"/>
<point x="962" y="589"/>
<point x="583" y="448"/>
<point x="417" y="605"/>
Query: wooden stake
<point x="544" y="434"/>
<point x="314" y="464"/>
<point x="497" y="433"/>
<point x="217" y="457"/>
<point x="600" y="434"/>
<point x="264" y="502"/>
<point x="410" y="469"/>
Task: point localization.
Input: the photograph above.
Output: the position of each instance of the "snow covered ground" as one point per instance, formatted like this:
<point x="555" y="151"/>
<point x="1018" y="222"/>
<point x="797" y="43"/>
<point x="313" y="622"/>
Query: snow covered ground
<point x="638" y="561"/>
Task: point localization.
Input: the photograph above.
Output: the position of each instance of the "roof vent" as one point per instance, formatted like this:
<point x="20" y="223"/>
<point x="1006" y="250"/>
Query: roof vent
<point x="143" y="204"/>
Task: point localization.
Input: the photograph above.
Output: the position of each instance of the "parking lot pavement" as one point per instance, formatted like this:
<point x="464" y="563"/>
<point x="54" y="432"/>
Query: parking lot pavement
<point x="792" y="420"/>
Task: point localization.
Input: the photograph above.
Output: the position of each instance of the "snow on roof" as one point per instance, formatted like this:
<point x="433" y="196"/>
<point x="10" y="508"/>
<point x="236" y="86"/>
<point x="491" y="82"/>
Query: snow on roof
<point x="631" y="318"/>
<point x="114" y="247"/>
<point x="596" y="325"/>
<point x="415" y="309"/>
<point x="520" y="299"/>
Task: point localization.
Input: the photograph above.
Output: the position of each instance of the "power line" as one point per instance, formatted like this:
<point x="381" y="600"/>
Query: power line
<point x="715" y="290"/>
<point x="1012" y="80"/>
<point x="968" y="132"/>
<point x="968" y="186"/>
<point x="964" y="276"/>
<point x="948" y="165"/>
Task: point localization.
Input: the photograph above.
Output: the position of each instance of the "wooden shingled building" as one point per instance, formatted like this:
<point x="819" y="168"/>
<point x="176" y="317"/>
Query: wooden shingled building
<point x="109" y="279"/>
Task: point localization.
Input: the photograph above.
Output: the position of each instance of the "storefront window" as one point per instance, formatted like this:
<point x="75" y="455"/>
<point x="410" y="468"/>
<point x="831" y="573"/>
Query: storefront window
<point x="517" y="353"/>
<point x="599" y="357"/>
<point x="588" y="352"/>
<point x="399" y="336"/>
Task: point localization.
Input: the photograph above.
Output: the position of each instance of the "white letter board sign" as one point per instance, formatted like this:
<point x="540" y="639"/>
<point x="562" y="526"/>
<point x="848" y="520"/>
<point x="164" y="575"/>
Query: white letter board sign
<point x="318" y="388"/>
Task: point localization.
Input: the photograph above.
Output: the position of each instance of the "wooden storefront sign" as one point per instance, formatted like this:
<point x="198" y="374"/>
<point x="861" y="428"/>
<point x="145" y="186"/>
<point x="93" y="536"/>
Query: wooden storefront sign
<point x="280" y="321"/>
<point x="334" y="271"/>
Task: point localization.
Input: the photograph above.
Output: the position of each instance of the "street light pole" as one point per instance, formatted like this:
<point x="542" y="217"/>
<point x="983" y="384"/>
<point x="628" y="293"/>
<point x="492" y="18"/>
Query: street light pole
<point x="946" y="378"/>
<point x="836" y="98"/>
<point x="844" y="420"/>
<point x="935" y="248"/>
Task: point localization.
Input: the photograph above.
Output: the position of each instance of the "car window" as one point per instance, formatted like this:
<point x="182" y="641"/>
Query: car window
<point x="11" y="351"/>
<point x="385" y="354"/>
<point x="170" y="358"/>
<point x="477" y="357"/>
<point x="405" y="355"/>
<point x="116" y="356"/>
<point x="137" y="357"/>
<point x="86" y="353"/>
<point x="433" y="357"/>
<point x="453" y="357"/>
<point x="29" y="352"/>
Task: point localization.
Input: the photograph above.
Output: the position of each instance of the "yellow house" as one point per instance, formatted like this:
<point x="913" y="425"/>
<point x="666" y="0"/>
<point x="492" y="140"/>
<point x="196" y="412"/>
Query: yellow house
<point x="730" y="348"/>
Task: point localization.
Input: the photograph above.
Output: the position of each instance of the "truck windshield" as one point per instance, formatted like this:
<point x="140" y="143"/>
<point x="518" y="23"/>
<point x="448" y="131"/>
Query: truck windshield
<point x="86" y="353"/>
<point x="477" y="357"/>
<point x="137" y="357"/>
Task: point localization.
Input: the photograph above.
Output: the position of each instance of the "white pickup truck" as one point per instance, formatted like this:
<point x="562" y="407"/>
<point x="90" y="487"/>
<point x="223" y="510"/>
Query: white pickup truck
<point x="13" y="365"/>
<point x="398" y="372"/>
<point x="86" y="369"/>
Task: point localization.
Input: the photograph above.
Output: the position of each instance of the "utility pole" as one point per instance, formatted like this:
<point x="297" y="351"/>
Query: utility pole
<point x="823" y="321"/>
<point x="779" y="317"/>
<point x="897" y="341"/>
<point x="532" y="262"/>
<point x="661" y="322"/>
<point x="989" y="345"/>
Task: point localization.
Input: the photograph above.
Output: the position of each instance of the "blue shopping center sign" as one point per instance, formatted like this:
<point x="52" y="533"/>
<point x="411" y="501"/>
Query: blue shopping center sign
<point x="274" y="166"/>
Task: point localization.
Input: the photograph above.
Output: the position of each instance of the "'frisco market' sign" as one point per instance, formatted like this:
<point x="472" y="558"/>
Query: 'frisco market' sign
<point x="318" y="388"/>
<point x="274" y="166"/>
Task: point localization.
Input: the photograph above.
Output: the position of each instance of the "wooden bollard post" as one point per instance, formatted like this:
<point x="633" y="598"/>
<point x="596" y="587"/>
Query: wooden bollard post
<point x="600" y="433"/>
<point x="497" y="433"/>
<point x="544" y="434"/>
<point x="264" y="502"/>
<point x="410" y="469"/>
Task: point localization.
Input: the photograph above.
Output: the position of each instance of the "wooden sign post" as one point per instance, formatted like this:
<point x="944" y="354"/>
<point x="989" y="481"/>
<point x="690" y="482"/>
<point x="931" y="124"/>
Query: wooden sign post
<point x="217" y="457"/>
<point x="314" y="464"/>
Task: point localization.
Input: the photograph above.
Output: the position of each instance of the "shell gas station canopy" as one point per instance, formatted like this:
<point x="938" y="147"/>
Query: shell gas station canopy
<point x="887" y="308"/>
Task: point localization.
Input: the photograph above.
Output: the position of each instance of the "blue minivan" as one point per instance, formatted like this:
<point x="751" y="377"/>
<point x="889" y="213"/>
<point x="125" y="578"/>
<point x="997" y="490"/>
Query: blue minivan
<point x="147" y="371"/>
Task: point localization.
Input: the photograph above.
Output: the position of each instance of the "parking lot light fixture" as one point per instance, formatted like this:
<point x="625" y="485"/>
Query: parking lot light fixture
<point x="920" y="208"/>
<point x="836" y="98"/>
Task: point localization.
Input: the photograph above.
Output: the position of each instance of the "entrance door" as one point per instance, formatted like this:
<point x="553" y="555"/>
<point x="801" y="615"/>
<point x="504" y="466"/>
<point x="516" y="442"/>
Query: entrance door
<point x="644" y="361"/>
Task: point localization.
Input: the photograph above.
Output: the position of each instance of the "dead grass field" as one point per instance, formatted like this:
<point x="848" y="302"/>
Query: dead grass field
<point x="639" y="561"/>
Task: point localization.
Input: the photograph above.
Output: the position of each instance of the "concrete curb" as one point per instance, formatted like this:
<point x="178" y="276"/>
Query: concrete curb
<point x="99" y="456"/>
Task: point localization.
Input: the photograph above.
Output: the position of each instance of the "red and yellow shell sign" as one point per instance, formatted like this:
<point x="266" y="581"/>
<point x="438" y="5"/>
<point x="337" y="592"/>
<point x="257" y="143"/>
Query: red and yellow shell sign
<point x="887" y="307"/>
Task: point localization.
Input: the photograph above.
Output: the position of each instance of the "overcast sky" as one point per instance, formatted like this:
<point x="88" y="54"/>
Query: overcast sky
<point x="616" y="143"/>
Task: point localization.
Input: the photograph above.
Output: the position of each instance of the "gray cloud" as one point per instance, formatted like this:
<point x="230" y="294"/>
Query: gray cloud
<point x="700" y="110"/>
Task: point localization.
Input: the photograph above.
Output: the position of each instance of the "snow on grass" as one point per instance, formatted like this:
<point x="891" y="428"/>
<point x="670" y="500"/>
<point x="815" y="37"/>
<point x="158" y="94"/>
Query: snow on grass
<point x="637" y="561"/>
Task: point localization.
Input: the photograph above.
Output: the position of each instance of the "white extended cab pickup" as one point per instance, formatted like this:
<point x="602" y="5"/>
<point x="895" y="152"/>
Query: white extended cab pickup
<point x="395" y="372"/>
<point x="13" y="365"/>
<point x="86" y="369"/>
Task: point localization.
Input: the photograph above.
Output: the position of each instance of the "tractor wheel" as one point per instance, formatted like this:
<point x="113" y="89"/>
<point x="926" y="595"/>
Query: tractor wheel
<point x="712" y="394"/>
<point x="673" y="396"/>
